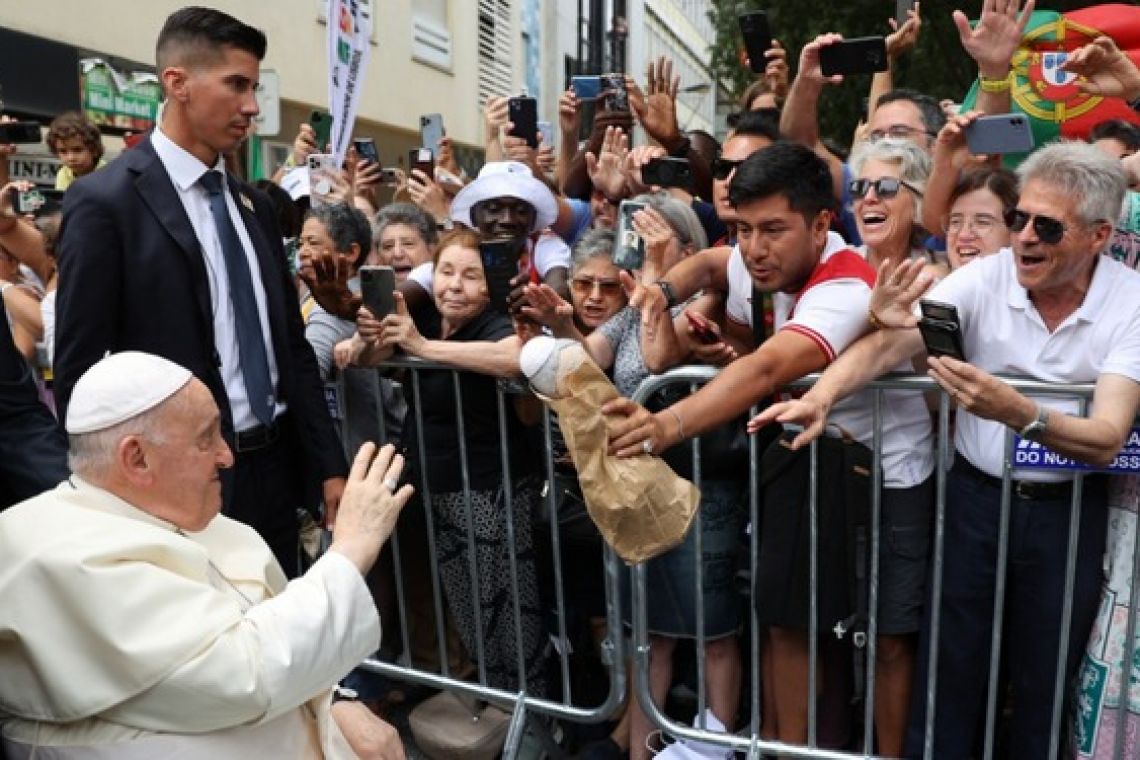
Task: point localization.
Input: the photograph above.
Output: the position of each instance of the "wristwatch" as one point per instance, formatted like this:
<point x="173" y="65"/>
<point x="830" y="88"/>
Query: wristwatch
<point x="667" y="289"/>
<point x="1035" y="430"/>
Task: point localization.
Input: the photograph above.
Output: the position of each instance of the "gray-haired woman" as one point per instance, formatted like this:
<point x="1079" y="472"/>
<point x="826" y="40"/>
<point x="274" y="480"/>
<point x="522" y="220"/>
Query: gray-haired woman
<point x="404" y="236"/>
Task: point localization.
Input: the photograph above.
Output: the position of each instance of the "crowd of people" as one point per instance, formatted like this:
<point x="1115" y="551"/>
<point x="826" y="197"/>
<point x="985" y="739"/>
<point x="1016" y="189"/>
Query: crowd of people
<point x="246" y="367"/>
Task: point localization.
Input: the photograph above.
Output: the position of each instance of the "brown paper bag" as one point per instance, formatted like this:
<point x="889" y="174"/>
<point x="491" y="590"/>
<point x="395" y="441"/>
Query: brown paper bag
<point x="641" y="507"/>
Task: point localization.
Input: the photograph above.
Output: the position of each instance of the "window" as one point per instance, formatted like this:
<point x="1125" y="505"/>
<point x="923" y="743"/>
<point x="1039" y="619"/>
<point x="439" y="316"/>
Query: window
<point x="496" y="49"/>
<point x="431" y="35"/>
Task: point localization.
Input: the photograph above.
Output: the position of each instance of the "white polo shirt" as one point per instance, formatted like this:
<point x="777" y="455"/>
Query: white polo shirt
<point x="832" y="311"/>
<point x="1002" y="333"/>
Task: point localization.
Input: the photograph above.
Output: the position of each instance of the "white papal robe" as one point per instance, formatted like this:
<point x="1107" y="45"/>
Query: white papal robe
<point x="123" y="637"/>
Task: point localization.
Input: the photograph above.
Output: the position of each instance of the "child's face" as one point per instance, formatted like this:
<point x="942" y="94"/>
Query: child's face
<point x="75" y="155"/>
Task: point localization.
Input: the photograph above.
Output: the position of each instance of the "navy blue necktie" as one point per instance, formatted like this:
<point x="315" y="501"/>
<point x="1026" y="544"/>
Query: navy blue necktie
<point x="250" y="335"/>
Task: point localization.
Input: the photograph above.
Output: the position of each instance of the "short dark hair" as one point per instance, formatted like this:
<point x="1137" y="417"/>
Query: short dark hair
<point x="761" y="123"/>
<point x="1127" y="133"/>
<point x="345" y="225"/>
<point x="788" y="169"/>
<point x="74" y="124"/>
<point x="933" y="117"/>
<point x="999" y="181"/>
<point x="202" y="33"/>
<point x="288" y="215"/>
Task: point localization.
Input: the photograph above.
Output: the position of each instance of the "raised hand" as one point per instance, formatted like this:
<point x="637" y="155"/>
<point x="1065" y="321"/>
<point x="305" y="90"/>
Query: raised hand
<point x="605" y="169"/>
<point x="895" y="292"/>
<point x="997" y="35"/>
<point x="656" y="110"/>
<point x="1105" y="70"/>
<point x="903" y="39"/>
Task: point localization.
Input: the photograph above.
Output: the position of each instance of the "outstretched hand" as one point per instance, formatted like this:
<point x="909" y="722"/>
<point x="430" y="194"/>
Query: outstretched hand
<point x="896" y="289"/>
<point x="997" y="35"/>
<point x="1105" y="70"/>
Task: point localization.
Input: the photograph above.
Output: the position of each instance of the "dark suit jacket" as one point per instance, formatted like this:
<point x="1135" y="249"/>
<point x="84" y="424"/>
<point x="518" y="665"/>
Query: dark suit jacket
<point x="132" y="276"/>
<point x="33" y="448"/>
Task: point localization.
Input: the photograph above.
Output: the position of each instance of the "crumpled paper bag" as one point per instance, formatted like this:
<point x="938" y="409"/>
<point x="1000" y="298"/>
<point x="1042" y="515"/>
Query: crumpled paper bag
<point x="641" y="507"/>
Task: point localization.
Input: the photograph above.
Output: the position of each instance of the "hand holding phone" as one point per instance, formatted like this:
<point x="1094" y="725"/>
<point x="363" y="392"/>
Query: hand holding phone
<point x="668" y="172"/>
<point x="1000" y="133"/>
<point x="431" y="132"/>
<point x="523" y="114"/>
<point x="321" y="122"/>
<point x="421" y="158"/>
<point x="861" y="55"/>
<point x="701" y="329"/>
<point x="941" y="329"/>
<point x="629" y="248"/>
<point x="378" y="289"/>
<point x="757" y="38"/>
<point x="366" y="149"/>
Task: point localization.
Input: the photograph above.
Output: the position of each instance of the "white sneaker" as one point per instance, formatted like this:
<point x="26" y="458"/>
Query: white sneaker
<point x="688" y="749"/>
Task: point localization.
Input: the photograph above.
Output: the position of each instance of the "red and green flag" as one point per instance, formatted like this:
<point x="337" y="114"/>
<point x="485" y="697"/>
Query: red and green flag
<point x="1048" y="96"/>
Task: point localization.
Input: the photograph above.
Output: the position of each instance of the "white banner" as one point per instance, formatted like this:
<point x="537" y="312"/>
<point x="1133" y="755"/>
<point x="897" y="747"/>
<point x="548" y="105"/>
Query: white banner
<point x="350" y="30"/>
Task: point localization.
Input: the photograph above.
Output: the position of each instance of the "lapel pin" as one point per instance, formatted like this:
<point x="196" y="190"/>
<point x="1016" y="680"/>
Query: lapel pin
<point x="245" y="201"/>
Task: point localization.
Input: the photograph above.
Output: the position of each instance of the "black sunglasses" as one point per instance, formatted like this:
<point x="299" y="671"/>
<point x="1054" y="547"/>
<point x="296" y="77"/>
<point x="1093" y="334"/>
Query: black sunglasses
<point x="885" y="187"/>
<point x="722" y="167"/>
<point x="1048" y="230"/>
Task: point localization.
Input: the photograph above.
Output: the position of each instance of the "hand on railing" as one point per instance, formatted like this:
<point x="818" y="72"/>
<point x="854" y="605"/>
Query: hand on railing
<point x="896" y="290"/>
<point x="807" y="411"/>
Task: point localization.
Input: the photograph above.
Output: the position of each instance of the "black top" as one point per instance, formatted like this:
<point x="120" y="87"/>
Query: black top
<point x="480" y="415"/>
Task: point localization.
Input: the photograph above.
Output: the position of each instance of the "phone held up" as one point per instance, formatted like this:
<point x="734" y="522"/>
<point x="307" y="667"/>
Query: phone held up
<point x="431" y="132"/>
<point x="366" y="149"/>
<point x="321" y="122"/>
<point x="668" y="172"/>
<point x="941" y="329"/>
<point x="523" y="113"/>
<point x="586" y="88"/>
<point x="19" y="132"/>
<point x="999" y="134"/>
<point x="378" y="289"/>
<point x="500" y="266"/>
<point x="421" y="158"/>
<point x="861" y="55"/>
<point x="629" y="250"/>
<point x="321" y="168"/>
<point x="757" y="38"/>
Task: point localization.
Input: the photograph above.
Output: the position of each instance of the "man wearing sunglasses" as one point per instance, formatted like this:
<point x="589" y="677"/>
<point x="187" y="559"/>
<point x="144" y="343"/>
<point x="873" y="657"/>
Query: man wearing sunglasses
<point x="1054" y="309"/>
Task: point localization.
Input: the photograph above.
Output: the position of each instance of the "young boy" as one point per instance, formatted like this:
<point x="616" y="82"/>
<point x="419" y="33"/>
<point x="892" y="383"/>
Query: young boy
<point x="78" y="144"/>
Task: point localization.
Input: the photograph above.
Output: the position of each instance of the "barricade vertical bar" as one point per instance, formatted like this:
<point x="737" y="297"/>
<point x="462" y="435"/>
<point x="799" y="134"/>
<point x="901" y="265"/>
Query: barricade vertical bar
<point x="1059" y="686"/>
<point x="472" y="564"/>
<point x="999" y="595"/>
<point x="813" y="586"/>
<point x="936" y="575"/>
<point x="556" y="553"/>
<point x="425" y="490"/>
<point x="873" y="574"/>
<point x="1127" y="664"/>
<point x="698" y="541"/>
<point x="509" y="514"/>
<point x="753" y="556"/>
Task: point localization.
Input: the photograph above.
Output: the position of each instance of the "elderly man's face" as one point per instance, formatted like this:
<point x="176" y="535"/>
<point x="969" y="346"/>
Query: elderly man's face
<point x="503" y="218"/>
<point x="187" y="459"/>
<point x="1054" y="267"/>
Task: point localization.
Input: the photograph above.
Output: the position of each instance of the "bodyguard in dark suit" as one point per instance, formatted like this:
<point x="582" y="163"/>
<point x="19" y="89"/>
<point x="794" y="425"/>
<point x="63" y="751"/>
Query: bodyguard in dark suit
<point x="33" y="448"/>
<point x="162" y="252"/>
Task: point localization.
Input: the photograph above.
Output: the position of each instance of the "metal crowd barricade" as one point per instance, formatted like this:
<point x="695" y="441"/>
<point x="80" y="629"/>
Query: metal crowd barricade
<point x="748" y="739"/>
<point x="520" y="704"/>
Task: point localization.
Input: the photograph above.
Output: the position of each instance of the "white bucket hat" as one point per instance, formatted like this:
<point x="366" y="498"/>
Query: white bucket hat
<point x="506" y="179"/>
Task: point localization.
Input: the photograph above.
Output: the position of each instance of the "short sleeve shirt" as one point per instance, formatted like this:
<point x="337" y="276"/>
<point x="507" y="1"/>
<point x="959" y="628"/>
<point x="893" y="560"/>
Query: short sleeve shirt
<point x="1002" y="333"/>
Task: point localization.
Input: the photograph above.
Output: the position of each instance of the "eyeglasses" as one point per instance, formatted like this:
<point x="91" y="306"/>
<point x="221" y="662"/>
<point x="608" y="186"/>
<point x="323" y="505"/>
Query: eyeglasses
<point x="981" y="224"/>
<point x="584" y="286"/>
<point x="898" y="131"/>
<point x="1048" y="230"/>
<point x="722" y="167"/>
<point x="885" y="187"/>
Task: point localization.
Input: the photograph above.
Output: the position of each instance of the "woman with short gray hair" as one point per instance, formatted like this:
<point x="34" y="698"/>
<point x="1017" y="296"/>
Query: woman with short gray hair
<point x="403" y="237"/>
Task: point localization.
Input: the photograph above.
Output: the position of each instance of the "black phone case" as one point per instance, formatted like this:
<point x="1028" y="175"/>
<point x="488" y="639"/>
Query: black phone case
<point x="667" y="172"/>
<point x="500" y="266"/>
<point x="377" y="290"/>
<point x="862" y="55"/>
<point x="366" y="149"/>
<point x="757" y="38"/>
<point x="523" y="113"/>
<point x="942" y="338"/>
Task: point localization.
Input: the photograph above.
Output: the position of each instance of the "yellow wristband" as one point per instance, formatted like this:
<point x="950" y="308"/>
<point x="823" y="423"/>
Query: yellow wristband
<point x="873" y="318"/>
<point x="996" y="85"/>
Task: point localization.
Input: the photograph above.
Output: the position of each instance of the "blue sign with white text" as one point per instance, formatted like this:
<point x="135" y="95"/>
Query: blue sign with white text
<point x="1035" y="456"/>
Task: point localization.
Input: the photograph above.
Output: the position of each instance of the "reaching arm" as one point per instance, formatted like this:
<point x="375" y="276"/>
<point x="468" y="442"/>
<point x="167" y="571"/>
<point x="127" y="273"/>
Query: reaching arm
<point x="498" y="358"/>
<point x="799" y="120"/>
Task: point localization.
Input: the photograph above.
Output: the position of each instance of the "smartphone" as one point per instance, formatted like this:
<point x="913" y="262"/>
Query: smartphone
<point x="546" y="129"/>
<point x="757" y="38"/>
<point x="523" y="113"/>
<point x="941" y="330"/>
<point x="901" y="9"/>
<point x="629" y="249"/>
<point x="861" y="55"/>
<point x="20" y="132"/>
<point x="320" y="166"/>
<point x="377" y="290"/>
<point x="27" y="201"/>
<point x="702" y="331"/>
<point x="431" y="132"/>
<point x="668" y="172"/>
<point x="500" y="266"/>
<point x="366" y="149"/>
<point x="388" y="176"/>
<point x="1000" y="133"/>
<point x="616" y="96"/>
<point x="321" y="122"/>
<point x="422" y="159"/>
<point x="586" y="88"/>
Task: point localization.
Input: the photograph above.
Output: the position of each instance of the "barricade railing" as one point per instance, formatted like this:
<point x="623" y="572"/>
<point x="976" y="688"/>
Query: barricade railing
<point x="749" y="738"/>
<point x="566" y="705"/>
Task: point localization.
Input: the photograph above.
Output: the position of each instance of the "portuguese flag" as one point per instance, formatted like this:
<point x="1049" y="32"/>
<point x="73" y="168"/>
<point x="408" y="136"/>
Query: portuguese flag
<point x="1049" y="96"/>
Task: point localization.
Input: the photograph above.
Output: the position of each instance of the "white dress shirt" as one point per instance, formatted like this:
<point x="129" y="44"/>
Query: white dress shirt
<point x="185" y="170"/>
